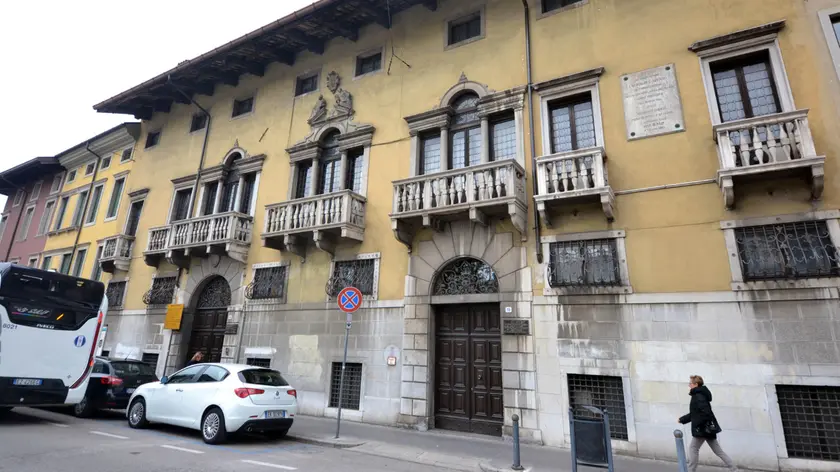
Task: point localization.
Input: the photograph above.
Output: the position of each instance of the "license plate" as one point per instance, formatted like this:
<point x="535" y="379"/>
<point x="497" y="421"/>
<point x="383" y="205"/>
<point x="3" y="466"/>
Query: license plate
<point x="129" y="390"/>
<point x="271" y="414"/>
<point x="28" y="382"/>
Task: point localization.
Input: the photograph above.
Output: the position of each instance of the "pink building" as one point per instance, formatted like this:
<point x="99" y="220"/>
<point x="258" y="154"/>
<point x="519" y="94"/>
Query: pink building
<point x="31" y="189"/>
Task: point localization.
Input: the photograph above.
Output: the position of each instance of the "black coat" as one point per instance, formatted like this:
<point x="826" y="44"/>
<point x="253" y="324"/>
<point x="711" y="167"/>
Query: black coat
<point x="700" y="412"/>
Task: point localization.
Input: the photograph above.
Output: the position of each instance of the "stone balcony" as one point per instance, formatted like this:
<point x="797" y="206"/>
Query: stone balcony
<point x="224" y="234"/>
<point x="116" y="253"/>
<point x="474" y="193"/>
<point x="769" y="146"/>
<point x="327" y="219"/>
<point x="573" y="177"/>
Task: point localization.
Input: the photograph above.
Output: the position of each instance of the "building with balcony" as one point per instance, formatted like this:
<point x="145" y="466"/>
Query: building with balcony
<point x="529" y="200"/>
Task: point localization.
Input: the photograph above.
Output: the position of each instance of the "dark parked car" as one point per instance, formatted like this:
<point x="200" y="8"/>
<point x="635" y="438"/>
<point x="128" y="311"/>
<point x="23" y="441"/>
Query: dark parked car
<point x="111" y="384"/>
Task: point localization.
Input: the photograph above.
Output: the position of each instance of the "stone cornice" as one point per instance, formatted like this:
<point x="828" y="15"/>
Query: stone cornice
<point x="738" y="36"/>
<point x="432" y="119"/>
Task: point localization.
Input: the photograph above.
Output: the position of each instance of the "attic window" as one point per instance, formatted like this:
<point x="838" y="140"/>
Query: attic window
<point x="242" y="107"/>
<point x="306" y="84"/>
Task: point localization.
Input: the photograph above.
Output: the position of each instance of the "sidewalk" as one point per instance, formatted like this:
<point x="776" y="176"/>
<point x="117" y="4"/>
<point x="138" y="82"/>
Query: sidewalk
<point x="451" y="450"/>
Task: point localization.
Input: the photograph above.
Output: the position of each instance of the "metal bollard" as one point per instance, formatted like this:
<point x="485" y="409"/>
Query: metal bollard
<point x="678" y="437"/>
<point x="516" y="462"/>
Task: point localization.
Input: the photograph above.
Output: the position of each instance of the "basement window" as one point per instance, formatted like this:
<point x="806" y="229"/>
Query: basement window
<point x="810" y="421"/>
<point x="603" y="392"/>
<point x="351" y="397"/>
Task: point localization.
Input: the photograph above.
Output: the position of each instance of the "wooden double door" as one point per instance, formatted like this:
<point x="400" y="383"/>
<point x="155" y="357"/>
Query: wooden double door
<point x="468" y="369"/>
<point x="208" y="334"/>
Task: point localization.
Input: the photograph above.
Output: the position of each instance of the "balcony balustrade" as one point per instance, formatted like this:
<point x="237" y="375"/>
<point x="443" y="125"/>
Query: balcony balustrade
<point x="116" y="253"/>
<point x="573" y="177"/>
<point x="224" y="233"/>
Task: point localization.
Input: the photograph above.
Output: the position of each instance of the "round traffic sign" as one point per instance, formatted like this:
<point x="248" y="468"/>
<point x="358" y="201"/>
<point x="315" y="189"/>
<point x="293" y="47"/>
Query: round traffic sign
<point x="349" y="299"/>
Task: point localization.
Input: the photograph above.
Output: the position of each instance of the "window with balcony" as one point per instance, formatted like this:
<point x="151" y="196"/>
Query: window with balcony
<point x="355" y="160"/>
<point x="133" y="219"/>
<point x="231" y="190"/>
<point x="744" y="87"/>
<point x="181" y="205"/>
<point x="430" y="153"/>
<point x="572" y="123"/>
<point x="465" y="133"/>
<point x="586" y="263"/>
<point x="334" y="169"/>
<point x="330" y="162"/>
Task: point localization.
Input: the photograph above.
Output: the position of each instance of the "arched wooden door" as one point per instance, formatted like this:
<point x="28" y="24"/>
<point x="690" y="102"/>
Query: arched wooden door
<point x="208" y="332"/>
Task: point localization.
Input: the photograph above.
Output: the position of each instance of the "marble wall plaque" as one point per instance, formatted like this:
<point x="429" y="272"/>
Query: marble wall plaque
<point x="652" y="105"/>
<point x="516" y="326"/>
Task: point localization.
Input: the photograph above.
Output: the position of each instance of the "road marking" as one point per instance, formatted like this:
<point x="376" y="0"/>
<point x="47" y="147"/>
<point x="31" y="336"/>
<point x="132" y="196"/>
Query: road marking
<point x="59" y="425"/>
<point x="182" y="449"/>
<point x="115" y="436"/>
<point x="268" y="464"/>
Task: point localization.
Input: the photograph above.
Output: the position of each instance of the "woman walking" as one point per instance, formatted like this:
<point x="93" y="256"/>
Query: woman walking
<point x="704" y="425"/>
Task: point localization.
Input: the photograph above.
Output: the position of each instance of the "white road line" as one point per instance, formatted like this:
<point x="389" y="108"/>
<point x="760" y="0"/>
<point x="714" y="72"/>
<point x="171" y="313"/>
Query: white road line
<point x="267" y="464"/>
<point x="182" y="449"/>
<point x="59" y="425"/>
<point x="109" y="435"/>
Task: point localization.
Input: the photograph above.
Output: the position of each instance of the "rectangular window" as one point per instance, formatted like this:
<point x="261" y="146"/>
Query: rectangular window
<point x="269" y="282"/>
<point x="551" y="5"/>
<point x="572" y="123"/>
<point x="259" y="362"/>
<point x="603" y="392"/>
<point x="355" y="161"/>
<point x="126" y="154"/>
<point x="97" y="269"/>
<point x="66" y="259"/>
<point x="465" y="28"/>
<point x="90" y="168"/>
<point x="56" y="183"/>
<point x="71" y="176"/>
<point x="106" y="163"/>
<point x="368" y="64"/>
<point x="744" y="87"/>
<point x="208" y="205"/>
<point x="229" y="190"/>
<point x="306" y="84"/>
<point x="150" y="358"/>
<point x="787" y="251"/>
<point x="248" y="184"/>
<point x="46" y="217"/>
<point x="36" y="191"/>
<point x="116" y="196"/>
<point x="162" y="291"/>
<point x="352" y="393"/>
<point x="94" y="204"/>
<point x="503" y="137"/>
<point x="46" y="263"/>
<point x="198" y="122"/>
<point x="81" y="254"/>
<point x="241" y="107"/>
<point x="18" y="198"/>
<point x="133" y="220"/>
<point x="62" y="209"/>
<point x="78" y="213"/>
<point x="329" y="176"/>
<point x="466" y="148"/>
<point x="304" y="179"/>
<point x="430" y="154"/>
<point x="592" y="262"/>
<point x="115" y="294"/>
<point x="23" y="233"/>
<point x="181" y="205"/>
<point x="811" y="421"/>
<point x="359" y="273"/>
<point x="33" y="262"/>
<point x="152" y="139"/>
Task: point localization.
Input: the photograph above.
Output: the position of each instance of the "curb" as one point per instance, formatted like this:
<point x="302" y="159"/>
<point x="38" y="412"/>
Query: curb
<point x="334" y="443"/>
<point x="485" y="467"/>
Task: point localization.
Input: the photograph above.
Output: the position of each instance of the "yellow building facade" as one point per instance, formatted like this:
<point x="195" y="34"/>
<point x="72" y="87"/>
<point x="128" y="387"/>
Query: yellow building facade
<point x="577" y="202"/>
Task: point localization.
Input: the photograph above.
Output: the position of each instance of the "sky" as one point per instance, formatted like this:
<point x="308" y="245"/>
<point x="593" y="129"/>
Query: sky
<point x="60" y="58"/>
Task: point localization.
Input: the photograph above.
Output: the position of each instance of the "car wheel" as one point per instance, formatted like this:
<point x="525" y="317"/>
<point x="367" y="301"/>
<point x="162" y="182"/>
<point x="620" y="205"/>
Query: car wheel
<point x="213" y="426"/>
<point x="83" y="409"/>
<point x="137" y="414"/>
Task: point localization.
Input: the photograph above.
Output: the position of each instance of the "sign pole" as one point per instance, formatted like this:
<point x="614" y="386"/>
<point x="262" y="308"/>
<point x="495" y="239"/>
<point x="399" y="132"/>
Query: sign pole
<point x="349" y="300"/>
<point x="341" y="379"/>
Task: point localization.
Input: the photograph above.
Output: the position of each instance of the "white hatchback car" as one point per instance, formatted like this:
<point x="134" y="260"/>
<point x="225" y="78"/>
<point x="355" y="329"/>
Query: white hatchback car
<point x="217" y="399"/>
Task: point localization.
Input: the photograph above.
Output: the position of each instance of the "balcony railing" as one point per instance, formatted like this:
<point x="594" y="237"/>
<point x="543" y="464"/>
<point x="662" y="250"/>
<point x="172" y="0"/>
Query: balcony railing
<point x="573" y="176"/>
<point x="328" y="217"/>
<point x="771" y="144"/>
<point x="116" y="253"/>
<point x="228" y="233"/>
<point x="477" y="191"/>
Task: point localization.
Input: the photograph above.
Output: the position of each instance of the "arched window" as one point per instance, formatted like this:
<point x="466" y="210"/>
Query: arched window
<point x="466" y="276"/>
<point x="465" y="132"/>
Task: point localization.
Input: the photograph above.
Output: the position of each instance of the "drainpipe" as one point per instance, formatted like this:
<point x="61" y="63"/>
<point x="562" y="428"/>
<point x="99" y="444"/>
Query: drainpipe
<point x="531" y="127"/>
<point x="17" y="221"/>
<point x="194" y="195"/>
<point x="85" y="204"/>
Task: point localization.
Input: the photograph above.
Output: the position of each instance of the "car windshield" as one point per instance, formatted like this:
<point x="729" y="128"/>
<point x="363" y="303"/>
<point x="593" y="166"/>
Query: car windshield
<point x="268" y="377"/>
<point x="133" y="368"/>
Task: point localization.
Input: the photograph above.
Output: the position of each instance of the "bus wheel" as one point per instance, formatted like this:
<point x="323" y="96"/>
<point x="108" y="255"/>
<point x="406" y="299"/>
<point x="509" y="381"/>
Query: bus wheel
<point x="137" y="414"/>
<point x="83" y="409"/>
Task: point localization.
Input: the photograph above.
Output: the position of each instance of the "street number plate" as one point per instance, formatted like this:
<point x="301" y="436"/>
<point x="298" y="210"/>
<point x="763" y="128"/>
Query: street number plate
<point x="272" y="414"/>
<point x="28" y="382"/>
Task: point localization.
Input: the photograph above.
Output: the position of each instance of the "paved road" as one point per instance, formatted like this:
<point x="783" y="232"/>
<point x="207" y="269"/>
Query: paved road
<point x="49" y="441"/>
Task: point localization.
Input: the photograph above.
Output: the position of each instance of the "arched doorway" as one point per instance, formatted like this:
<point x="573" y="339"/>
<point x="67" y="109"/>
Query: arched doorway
<point x="468" y="351"/>
<point x="208" y="332"/>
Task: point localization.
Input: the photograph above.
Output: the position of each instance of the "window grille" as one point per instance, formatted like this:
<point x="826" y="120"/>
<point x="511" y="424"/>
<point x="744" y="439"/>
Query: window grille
<point x="603" y="392"/>
<point x="584" y="263"/>
<point x="115" y="294"/>
<point x="150" y="358"/>
<point x="269" y="282"/>
<point x="352" y="393"/>
<point x="357" y="273"/>
<point x="163" y="288"/>
<point x="259" y="362"/>
<point x="811" y="421"/>
<point x="787" y="251"/>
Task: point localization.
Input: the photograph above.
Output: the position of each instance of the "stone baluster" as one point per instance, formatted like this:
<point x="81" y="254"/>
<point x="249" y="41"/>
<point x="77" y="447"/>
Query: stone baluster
<point x="796" y="147"/>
